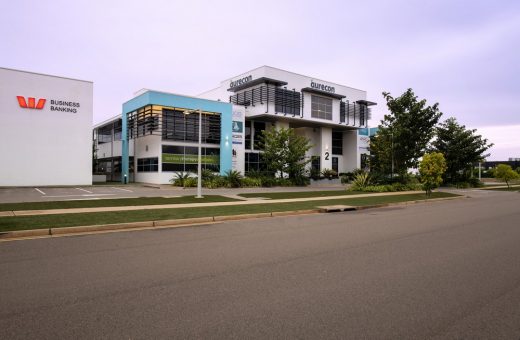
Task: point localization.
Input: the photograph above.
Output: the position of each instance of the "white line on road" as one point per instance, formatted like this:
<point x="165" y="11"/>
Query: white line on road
<point x="92" y="195"/>
<point x="122" y="189"/>
<point x="90" y="192"/>
<point x="41" y="192"/>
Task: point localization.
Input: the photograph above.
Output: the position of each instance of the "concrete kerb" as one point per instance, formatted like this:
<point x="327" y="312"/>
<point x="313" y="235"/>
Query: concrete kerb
<point x="49" y="232"/>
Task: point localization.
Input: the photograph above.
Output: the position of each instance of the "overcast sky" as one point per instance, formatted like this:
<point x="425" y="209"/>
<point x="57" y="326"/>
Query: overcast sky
<point x="463" y="54"/>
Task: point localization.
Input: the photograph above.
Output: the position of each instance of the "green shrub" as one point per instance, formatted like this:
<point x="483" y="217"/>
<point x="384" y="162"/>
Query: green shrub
<point x="284" y="182"/>
<point x="300" y="181"/>
<point x="360" y="181"/>
<point x="179" y="179"/>
<point x="207" y="174"/>
<point x="233" y="178"/>
<point x="215" y="182"/>
<point x="329" y="173"/>
<point x="190" y="182"/>
<point x="251" y="182"/>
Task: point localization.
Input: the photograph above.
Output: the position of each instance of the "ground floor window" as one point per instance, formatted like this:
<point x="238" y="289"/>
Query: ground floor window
<point x="364" y="161"/>
<point x="315" y="166"/>
<point x="148" y="164"/>
<point x="185" y="158"/>
<point x="337" y="142"/>
<point x="335" y="164"/>
<point x="253" y="162"/>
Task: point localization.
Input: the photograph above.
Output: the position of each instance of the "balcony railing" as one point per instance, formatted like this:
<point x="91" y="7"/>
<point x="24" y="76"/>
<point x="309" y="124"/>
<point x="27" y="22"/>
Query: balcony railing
<point x="354" y="114"/>
<point x="291" y="102"/>
<point x="285" y="101"/>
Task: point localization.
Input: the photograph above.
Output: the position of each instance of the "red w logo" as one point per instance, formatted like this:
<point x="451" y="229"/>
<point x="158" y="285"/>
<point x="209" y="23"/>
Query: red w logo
<point x="31" y="104"/>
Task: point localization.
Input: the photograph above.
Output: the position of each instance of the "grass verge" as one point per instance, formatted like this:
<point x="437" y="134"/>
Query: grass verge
<point x="303" y="194"/>
<point x="121" y="202"/>
<point x="513" y="188"/>
<point x="69" y="220"/>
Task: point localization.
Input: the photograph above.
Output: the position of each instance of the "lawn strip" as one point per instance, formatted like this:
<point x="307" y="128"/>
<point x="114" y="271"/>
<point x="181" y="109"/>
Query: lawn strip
<point x="68" y="220"/>
<point x="302" y="194"/>
<point x="513" y="188"/>
<point x="113" y="202"/>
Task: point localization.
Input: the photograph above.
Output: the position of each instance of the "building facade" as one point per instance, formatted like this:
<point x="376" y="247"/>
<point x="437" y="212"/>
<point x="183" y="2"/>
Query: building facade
<point x="46" y="126"/>
<point x="162" y="128"/>
<point x="326" y="113"/>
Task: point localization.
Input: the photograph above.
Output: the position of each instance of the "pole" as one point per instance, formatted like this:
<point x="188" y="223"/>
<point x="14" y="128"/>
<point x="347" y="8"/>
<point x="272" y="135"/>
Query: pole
<point x="199" y="170"/>
<point x="479" y="171"/>
<point x="392" y="134"/>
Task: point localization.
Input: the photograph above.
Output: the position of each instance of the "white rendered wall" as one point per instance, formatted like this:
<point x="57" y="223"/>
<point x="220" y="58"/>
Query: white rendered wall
<point x="326" y="148"/>
<point x="351" y="159"/>
<point x="44" y="147"/>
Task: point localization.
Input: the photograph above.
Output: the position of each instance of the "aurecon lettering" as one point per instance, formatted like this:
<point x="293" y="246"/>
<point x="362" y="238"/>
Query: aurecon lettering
<point x="323" y="87"/>
<point x="240" y="81"/>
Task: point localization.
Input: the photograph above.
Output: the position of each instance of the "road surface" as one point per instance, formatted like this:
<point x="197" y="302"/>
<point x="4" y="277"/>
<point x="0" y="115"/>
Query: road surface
<point x="436" y="270"/>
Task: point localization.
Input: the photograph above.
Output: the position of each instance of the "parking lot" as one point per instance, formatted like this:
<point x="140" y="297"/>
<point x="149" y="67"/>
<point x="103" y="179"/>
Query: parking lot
<point x="45" y="194"/>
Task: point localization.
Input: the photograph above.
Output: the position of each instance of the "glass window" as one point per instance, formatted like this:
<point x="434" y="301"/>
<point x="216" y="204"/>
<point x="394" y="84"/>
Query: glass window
<point x="321" y="107"/>
<point x="259" y="127"/>
<point x="178" y="126"/>
<point x="253" y="162"/>
<point x="118" y="128"/>
<point x="105" y="134"/>
<point x="337" y="142"/>
<point x="335" y="164"/>
<point x="248" y="135"/>
<point x="147" y="164"/>
<point x="185" y="158"/>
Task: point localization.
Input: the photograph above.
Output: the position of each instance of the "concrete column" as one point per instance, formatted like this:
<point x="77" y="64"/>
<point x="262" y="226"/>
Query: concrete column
<point x="351" y="158"/>
<point x="125" y="176"/>
<point x="326" y="148"/>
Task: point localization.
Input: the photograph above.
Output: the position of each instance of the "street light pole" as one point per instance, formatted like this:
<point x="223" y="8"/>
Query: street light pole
<point x="392" y="134"/>
<point x="199" y="163"/>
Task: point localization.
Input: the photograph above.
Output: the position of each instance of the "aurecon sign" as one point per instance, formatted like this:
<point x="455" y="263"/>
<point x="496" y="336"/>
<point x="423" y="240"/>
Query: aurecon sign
<point x="240" y="81"/>
<point x="322" y="87"/>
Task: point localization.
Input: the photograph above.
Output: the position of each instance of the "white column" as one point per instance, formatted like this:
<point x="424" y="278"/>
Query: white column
<point x="351" y="157"/>
<point x="326" y="148"/>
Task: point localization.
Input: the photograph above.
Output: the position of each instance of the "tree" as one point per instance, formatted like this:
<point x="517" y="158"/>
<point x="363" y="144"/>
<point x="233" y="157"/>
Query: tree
<point x="505" y="173"/>
<point x="403" y="134"/>
<point x="284" y="152"/>
<point x="431" y="169"/>
<point x="461" y="147"/>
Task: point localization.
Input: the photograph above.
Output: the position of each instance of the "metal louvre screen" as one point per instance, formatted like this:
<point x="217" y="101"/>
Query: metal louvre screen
<point x="285" y="101"/>
<point x="173" y="124"/>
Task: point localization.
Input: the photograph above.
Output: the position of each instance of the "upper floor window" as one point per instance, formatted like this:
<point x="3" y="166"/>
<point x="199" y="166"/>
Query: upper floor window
<point x="321" y="107"/>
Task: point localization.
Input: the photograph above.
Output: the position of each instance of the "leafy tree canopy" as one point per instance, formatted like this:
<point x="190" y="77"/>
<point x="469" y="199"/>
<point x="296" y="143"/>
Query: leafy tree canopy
<point x="461" y="147"/>
<point x="431" y="169"/>
<point x="403" y="134"/>
<point x="505" y="173"/>
<point x="284" y="152"/>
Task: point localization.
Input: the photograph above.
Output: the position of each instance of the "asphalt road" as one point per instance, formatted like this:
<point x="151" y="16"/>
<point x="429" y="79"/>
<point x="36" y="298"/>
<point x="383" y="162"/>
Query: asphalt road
<point x="436" y="270"/>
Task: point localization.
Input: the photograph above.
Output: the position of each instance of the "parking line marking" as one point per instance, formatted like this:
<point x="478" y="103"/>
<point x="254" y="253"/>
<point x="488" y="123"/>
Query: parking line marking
<point x="81" y="195"/>
<point x="41" y="192"/>
<point x="90" y="192"/>
<point x="122" y="189"/>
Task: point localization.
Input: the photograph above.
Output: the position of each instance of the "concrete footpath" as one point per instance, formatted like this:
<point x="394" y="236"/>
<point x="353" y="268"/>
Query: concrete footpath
<point x="174" y="223"/>
<point x="249" y="201"/>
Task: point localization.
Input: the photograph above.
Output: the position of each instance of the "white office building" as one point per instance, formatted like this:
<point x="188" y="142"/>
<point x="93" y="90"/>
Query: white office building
<point x="326" y="113"/>
<point x="45" y="129"/>
<point x="162" y="140"/>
